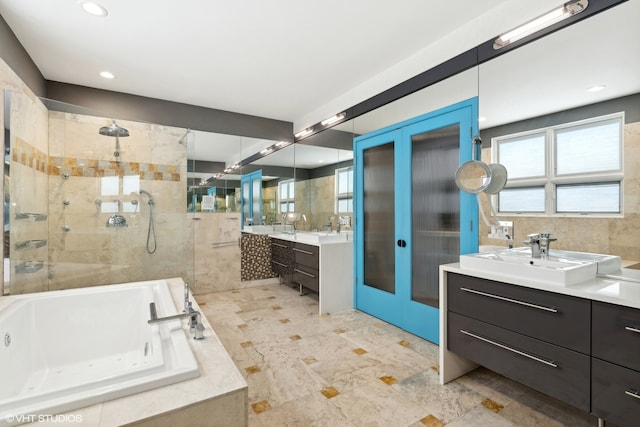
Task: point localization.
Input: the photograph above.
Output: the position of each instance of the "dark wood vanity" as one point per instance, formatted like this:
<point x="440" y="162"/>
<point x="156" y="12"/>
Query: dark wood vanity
<point x="581" y="351"/>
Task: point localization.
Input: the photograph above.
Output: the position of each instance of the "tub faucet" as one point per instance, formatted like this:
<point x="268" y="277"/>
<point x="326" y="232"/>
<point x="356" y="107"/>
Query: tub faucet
<point x="195" y="323"/>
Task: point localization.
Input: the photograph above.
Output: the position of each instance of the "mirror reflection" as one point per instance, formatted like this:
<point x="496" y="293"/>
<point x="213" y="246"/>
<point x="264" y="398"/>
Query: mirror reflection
<point x="575" y="74"/>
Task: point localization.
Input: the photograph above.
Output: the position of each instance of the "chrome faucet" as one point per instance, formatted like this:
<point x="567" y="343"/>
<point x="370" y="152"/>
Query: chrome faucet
<point x="343" y="221"/>
<point x="534" y="242"/>
<point x="195" y="324"/>
<point x="545" y="240"/>
<point x="539" y="244"/>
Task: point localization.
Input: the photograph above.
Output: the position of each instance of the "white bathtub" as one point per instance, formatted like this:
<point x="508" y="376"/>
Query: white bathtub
<point x="64" y="350"/>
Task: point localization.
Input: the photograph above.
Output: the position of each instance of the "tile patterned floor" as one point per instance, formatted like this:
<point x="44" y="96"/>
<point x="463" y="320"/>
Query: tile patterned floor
<point x="351" y="369"/>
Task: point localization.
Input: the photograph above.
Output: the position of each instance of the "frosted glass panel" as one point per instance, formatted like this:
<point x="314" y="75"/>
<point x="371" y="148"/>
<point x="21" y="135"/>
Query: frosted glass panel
<point x="379" y="217"/>
<point x="257" y="200"/>
<point x="521" y="200"/>
<point x="524" y="157"/>
<point x="590" y="148"/>
<point x="245" y="200"/>
<point x="603" y="198"/>
<point x="435" y="210"/>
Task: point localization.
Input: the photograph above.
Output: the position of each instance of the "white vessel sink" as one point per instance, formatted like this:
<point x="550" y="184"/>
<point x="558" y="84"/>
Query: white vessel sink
<point x="607" y="264"/>
<point x="560" y="267"/>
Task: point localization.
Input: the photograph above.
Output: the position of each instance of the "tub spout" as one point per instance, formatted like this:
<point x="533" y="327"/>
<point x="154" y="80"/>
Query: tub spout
<point x="195" y="324"/>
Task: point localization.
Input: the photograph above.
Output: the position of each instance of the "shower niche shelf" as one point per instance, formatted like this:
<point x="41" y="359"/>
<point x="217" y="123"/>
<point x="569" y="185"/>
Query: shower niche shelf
<point x="29" y="267"/>
<point x="31" y="216"/>
<point x="30" y="244"/>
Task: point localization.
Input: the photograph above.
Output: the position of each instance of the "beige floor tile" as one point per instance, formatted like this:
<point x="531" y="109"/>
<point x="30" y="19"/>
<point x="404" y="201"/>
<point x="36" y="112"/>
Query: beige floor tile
<point x="286" y="376"/>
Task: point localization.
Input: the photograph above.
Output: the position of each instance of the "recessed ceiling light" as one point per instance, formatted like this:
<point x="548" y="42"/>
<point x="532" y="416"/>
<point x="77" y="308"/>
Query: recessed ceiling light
<point x="482" y="119"/>
<point x="596" y="88"/>
<point x="107" y="75"/>
<point x="94" y="9"/>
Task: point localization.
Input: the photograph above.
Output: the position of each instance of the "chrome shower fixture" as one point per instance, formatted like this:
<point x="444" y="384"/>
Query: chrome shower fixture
<point x="116" y="131"/>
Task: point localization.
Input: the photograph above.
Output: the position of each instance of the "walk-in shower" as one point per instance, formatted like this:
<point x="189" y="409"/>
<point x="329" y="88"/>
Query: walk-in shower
<point x="116" y="131"/>
<point x="151" y="231"/>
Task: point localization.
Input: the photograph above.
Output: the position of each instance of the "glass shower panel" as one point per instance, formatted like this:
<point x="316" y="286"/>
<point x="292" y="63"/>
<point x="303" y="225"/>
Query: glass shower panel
<point x="435" y="209"/>
<point x="379" y="217"/>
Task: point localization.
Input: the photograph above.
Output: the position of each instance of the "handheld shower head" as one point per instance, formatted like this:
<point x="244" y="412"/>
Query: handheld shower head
<point x="141" y="191"/>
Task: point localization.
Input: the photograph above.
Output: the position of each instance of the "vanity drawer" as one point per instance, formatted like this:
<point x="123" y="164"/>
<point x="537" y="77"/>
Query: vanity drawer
<point x="282" y="258"/>
<point x="555" y="318"/>
<point x="616" y="334"/>
<point x="552" y="370"/>
<point x="307" y="277"/>
<point x="306" y="255"/>
<point x="615" y="393"/>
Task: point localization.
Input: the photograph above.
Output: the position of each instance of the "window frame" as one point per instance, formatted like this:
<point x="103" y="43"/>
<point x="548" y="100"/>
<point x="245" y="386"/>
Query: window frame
<point x="343" y="196"/>
<point x="552" y="180"/>
<point x="289" y="200"/>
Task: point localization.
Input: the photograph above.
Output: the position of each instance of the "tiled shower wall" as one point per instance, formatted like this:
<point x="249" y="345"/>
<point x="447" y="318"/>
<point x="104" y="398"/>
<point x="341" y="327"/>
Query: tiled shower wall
<point x="617" y="236"/>
<point x="95" y="184"/>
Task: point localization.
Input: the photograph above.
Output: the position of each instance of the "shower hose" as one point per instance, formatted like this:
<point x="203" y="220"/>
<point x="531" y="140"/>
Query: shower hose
<point x="151" y="232"/>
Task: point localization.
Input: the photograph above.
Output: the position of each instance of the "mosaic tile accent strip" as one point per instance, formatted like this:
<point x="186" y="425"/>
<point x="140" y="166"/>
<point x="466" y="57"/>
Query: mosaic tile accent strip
<point x="27" y="155"/>
<point x="90" y="168"/>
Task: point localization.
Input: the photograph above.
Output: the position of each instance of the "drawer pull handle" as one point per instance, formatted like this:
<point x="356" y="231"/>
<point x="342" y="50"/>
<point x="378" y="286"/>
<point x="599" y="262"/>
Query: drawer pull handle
<point x="515" y="301"/>
<point x="279" y="245"/>
<point x="303" y="251"/>
<point x="632" y="329"/>
<point x="304" y="272"/>
<point x="632" y="393"/>
<point x="511" y="349"/>
<point x="280" y="264"/>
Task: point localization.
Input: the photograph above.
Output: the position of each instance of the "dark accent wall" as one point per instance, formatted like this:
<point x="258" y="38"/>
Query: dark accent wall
<point x="119" y="105"/>
<point x="17" y="58"/>
<point x="629" y="104"/>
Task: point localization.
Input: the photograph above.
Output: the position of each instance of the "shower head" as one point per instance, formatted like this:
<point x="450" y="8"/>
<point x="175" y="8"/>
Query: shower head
<point x="113" y="130"/>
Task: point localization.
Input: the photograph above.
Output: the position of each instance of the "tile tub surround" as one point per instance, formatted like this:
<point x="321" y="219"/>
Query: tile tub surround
<point x="219" y="395"/>
<point x="351" y="369"/>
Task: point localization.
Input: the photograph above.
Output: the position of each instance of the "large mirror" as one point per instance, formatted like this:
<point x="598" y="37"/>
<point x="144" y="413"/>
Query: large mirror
<point x="546" y="82"/>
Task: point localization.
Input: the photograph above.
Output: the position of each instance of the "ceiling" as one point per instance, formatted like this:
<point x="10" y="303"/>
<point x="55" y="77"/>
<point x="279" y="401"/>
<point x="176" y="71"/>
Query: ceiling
<point x="285" y="58"/>
<point x="278" y="59"/>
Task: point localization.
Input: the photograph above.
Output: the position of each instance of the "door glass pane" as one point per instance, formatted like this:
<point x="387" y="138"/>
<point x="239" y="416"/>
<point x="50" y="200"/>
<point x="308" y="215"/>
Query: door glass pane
<point x="256" y="204"/>
<point x="379" y="208"/>
<point x="435" y="209"/>
<point x="245" y="201"/>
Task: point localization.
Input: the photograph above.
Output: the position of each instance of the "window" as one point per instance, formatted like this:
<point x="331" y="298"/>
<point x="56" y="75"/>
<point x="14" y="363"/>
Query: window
<point x="574" y="168"/>
<point x="286" y="196"/>
<point x="344" y="190"/>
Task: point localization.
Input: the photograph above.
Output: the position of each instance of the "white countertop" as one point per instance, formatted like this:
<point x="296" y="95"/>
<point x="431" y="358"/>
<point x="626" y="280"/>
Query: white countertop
<point x="621" y="292"/>
<point x="316" y="238"/>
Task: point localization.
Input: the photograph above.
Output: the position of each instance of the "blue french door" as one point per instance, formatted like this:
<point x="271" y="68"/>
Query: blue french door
<point x="411" y="216"/>
<point x="251" y="198"/>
